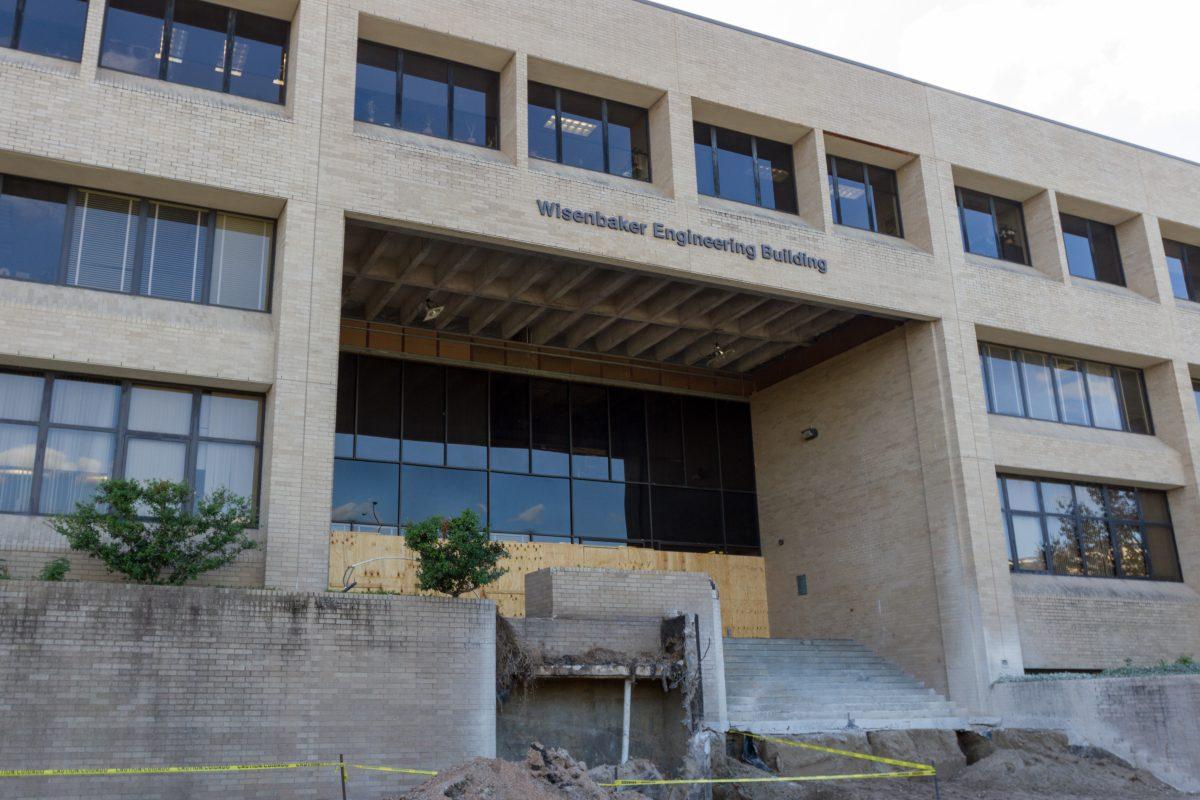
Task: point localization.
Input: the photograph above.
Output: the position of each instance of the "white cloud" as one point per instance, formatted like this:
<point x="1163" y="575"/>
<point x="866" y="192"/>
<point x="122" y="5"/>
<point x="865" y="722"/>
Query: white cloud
<point x="1127" y="70"/>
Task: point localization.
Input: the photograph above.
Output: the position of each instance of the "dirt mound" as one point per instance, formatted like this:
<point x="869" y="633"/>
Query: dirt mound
<point x="545" y="774"/>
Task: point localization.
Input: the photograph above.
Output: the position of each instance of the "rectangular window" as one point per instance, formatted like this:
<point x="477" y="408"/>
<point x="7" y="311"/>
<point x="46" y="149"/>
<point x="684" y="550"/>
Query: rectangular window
<point x="60" y="436"/>
<point x="1183" y="262"/>
<point x="1088" y="529"/>
<point x="745" y="168"/>
<point x="1092" y="250"/>
<point x="426" y="94"/>
<point x="133" y="245"/>
<point x="206" y="45"/>
<point x="992" y="226"/>
<point x="47" y="27"/>
<point x="1024" y="383"/>
<point x="538" y="459"/>
<point x="864" y="196"/>
<point x="588" y="132"/>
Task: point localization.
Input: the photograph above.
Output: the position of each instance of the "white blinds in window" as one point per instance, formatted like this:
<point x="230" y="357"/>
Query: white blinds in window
<point x="103" y="242"/>
<point x="175" y="252"/>
<point x="240" y="262"/>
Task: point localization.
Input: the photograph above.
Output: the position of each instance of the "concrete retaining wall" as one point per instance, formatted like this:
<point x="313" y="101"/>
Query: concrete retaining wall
<point x="1152" y="722"/>
<point x="114" y="675"/>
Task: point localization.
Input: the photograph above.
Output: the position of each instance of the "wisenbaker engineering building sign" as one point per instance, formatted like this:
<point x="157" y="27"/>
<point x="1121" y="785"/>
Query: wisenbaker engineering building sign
<point x="684" y="237"/>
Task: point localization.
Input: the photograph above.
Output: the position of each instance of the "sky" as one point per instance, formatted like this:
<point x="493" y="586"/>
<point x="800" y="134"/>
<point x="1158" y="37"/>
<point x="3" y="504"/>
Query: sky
<point x="1128" y="69"/>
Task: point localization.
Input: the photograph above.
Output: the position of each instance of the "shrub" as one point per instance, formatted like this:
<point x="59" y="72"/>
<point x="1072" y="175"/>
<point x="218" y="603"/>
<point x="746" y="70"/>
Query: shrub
<point x="454" y="555"/>
<point x="55" y="570"/>
<point x="147" y="531"/>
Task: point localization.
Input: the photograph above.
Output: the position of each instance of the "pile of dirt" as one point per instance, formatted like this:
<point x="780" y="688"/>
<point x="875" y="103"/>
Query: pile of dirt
<point x="1011" y="765"/>
<point x="545" y="774"/>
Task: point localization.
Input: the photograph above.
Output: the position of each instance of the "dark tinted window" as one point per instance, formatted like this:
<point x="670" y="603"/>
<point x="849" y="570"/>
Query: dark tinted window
<point x="992" y="226"/>
<point x="590" y="132"/>
<point x="700" y="443"/>
<point x="531" y="505"/>
<point x="378" y="409"/>
<point x="346" y="406"/>
<point x="666" y="438"/>
<point x="611" y="510"/>
<point x="747" y="169"/>
<point x="510" y="422"/>
<point x="864" y="196"/>
<point x="1092" y="250"/>
<point x="589" y="431"/>
<point x="47" y="27"/>
<point x="424" y="425"/>
<point x="439" y="492"/>
<point x="208" y="46"/>
<point x="627" y="417"/>
<point x="1087" y="529"/>
<point x="737" y="446"/>
<point x="32" y="225"/>
<point x="476" y="106"/>
<point x="375" y="84"/>
<point x="1183" y="263"/>
<point x="365" y="492"/>
<point x="551" y="427"/>
<point x="425" y="93"/>
<point x="686" y="518"/>
<point x="466" y="418"/>
<point x="741" y="522"/>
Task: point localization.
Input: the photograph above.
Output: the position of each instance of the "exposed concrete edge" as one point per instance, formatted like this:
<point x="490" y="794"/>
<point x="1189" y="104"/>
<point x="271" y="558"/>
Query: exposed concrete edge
<point x="1153" y="722"/>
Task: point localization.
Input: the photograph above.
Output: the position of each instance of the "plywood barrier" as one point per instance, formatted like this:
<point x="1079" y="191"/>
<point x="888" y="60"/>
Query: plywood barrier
<point x="741" y="580"/>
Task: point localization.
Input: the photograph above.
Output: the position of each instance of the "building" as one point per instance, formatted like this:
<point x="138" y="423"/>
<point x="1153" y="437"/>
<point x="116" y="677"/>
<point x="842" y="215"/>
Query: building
<point x="612" y="275"/>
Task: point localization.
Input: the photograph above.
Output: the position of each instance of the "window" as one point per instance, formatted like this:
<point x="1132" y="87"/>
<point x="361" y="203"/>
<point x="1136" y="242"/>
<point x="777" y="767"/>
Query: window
<point x="60" y="436"/>
<point x="1022" y="383"/>
<point x="745" y="168"/>
<point x="1068" y="528"/>
<point x="588" y="132"/>
<point x="208" y="46"/>
<point x="992" y="226"/>
<point x="864" y="196"/>
<point x="1183" y="262"/>
<point x="541" y="459"/>
<point x="426" y="94"/>
<point x="78" y="237"/>
<point x="1092" y="251"/>
<point x="1196" y="394"/>
<point x="46" y="27"/>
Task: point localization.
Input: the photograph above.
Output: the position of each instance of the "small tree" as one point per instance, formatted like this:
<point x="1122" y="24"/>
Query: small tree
<point x="147" y="531"/>
<point x="55" y="570"/>
<point x="455" y="555"/>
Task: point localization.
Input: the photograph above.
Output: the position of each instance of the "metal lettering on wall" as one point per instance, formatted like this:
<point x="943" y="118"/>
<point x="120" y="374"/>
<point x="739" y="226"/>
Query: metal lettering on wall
<point x="684" y="237"/>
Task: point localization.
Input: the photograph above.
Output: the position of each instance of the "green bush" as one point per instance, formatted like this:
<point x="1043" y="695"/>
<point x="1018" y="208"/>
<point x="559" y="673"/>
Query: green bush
<point x="55" y="570"/>
<point x="148" y="532"/>
<point x="454" y="555"/>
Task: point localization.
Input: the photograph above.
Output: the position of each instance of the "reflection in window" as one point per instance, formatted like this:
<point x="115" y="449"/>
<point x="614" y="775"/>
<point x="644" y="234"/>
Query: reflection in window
<point x="992" y="226"/>
<point x="1092" y="250"/>
<point x="745" y="168"/>
<point x="1088" y="529"/>
<point x="33" y="215"/>
<point x="1183" y="262"/>
<point x="588" y="132"/>
<point x="1024" y="383"/>
<point x="46" y="27"/>
<point x="132" y="245"/>
<point x="864" y="196"/>
<point x="427" y="95"/>
<point x="208" y="46"/>
<point x="549" y="459"/>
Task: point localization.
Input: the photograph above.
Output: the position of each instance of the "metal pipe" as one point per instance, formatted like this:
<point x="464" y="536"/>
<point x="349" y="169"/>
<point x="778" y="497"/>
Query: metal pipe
<point x="625" y="723"/>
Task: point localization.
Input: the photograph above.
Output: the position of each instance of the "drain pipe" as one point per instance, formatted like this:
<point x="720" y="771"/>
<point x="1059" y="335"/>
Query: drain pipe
<point x="625" y="723"/>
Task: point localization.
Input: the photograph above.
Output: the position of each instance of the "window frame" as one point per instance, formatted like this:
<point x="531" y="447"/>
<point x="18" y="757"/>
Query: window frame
<point x="1191" y="272"/>
<point x="1109" y="520"/>
<point x="991" y="198"/>
<point x="646" y="484"/>
<point x="604" y="102"/>
<point x="450" y="65"/>
<point x="831" y="163"/>
<point x="1091" y="238"/>
<point x="14" y="42"/>
<point x="140" y="254"/>
<point x="230" y="35"/>
<point x="122" y="433"/>
<point x="1058" y="401"/>
<point x="756" y="169"/>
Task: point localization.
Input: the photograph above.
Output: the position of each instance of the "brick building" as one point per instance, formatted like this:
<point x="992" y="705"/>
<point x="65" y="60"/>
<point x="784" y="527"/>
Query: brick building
<point x="611" y="275"/>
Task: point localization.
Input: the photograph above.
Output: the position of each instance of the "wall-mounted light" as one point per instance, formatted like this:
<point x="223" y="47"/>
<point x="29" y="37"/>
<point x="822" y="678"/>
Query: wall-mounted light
<point x="808" y="434"/>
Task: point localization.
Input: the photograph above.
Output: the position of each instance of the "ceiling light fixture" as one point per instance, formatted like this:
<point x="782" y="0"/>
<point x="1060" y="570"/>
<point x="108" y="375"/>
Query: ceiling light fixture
<point x="719" y="354"/>
<point x="432" y="312"/>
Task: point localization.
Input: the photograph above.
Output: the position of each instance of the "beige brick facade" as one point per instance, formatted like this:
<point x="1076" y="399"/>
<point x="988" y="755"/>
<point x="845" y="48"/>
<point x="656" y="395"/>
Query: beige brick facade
<point x="892" y="512"/>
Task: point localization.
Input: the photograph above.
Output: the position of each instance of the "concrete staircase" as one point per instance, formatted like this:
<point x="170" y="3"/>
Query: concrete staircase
<point x="813" y="685"/>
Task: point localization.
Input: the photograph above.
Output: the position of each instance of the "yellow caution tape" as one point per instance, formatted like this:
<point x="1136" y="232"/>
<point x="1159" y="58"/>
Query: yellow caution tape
<point x="394" y="769"/>
<point x="58" y="773"/>
<point x="911" y="769"/>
